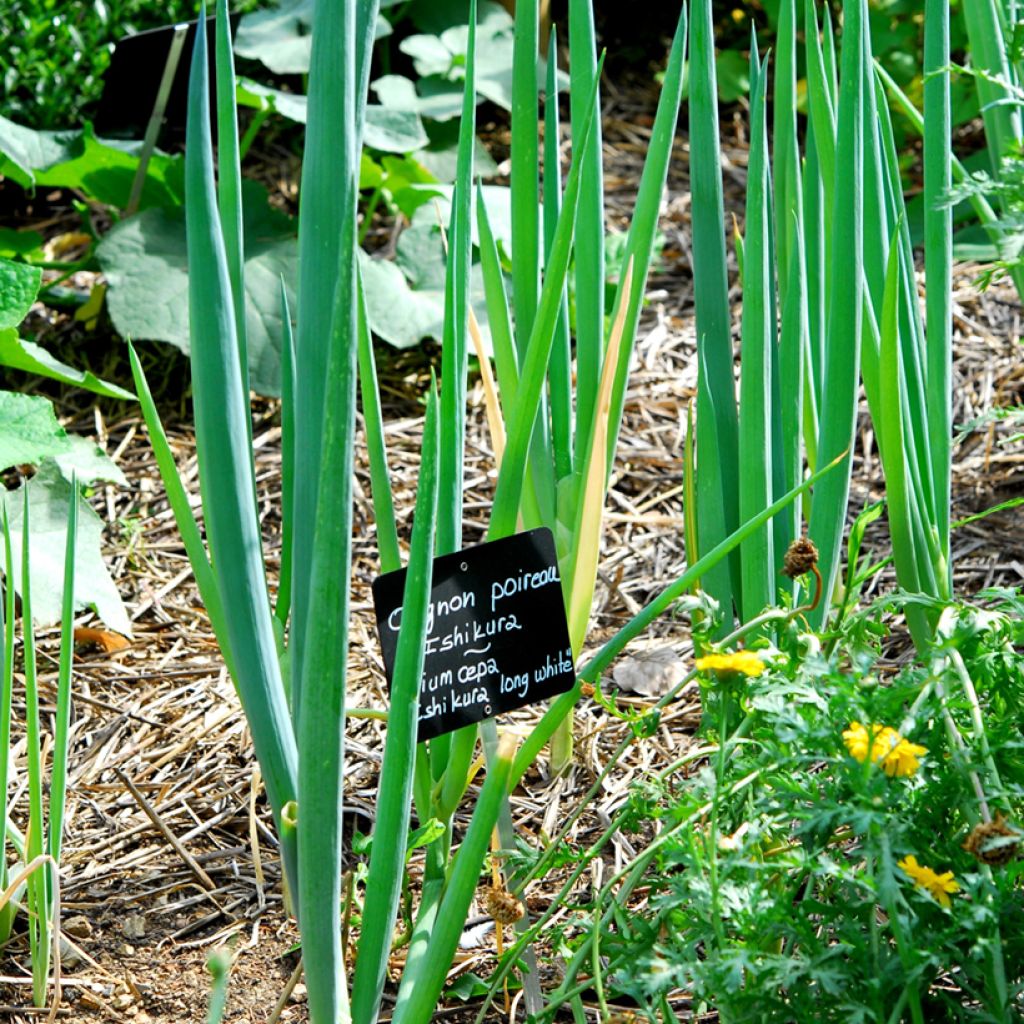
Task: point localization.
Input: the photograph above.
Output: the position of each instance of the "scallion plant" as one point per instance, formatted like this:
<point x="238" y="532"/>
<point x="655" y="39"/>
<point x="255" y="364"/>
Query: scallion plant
<point x="32" y="883"/>
<point x="288" y="659"/>
<point x="829" y="303"/>
<point x="997" y="64"/>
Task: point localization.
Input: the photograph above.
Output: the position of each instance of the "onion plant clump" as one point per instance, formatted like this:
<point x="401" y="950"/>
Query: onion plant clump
<point x="555" y="442"/>
<point x="829" y="305"/>
<point x="851" y="839"/>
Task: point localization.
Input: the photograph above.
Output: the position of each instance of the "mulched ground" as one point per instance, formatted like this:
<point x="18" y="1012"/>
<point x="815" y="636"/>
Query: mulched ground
<point x="169" y="851"/>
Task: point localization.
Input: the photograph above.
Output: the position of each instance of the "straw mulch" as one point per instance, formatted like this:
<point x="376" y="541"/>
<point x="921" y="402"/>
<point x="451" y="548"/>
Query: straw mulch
<point x="169" y="850"/>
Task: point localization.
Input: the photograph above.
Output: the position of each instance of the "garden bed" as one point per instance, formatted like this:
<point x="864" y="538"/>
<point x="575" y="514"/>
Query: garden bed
<point x="143" y="912"/>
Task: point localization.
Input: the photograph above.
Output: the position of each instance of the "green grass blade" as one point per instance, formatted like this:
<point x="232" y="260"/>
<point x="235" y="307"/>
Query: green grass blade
<point x="456" y="774"/>
<point x="523" y="412"/>
<point x="791" y="278"/>
<point x="454" y="349"/>
<point x="387" y="859"/>
<point x="842" y="358"/>
<point x="525" y="161"/>
<point x="229" y="180"/>
<point x="879" y="218"/>
<point x="177" y="498"/>
<point x="320" y="685"/>
<point x="589" y="249"/>
<point x="330" y="156"/>
<point x="910" y="328"/>
<point x="758" y="340"/>
<point x="890" y="426"/>
<point x="366" y="34"/>
<point x="822" y="113"/>
<point x="785" y="151"/>
<point x="813" y="235"/>
<point x="373" y="422"/>
<point x="691" y="547"/>
<point x="987" y="216"/>
<point x="424" y="976"/>
<point x="36" y="893"/>
<point x="717" y="423"/>
<point x="980" y="205"/>
<point x="829" y="52"/>
<point x="222" y="438"/>
<point x="62" y="716"/>
<point x="282" y="605"/>
<point x="986" y="34"/>
<point x="505" y="359"/>
<point x="7" y="614"/>
<point x="580" y="571"/>
<point x="793" y="360"/>
<point x="560" y="385"/>
<point x="938" y="260"/>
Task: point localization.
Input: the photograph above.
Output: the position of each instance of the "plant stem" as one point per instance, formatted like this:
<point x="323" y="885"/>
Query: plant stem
<point x="912" y="989"/>
<point x="874" y="985"/>
<point x="712" y="844"/>
<point x="251" y="132"/>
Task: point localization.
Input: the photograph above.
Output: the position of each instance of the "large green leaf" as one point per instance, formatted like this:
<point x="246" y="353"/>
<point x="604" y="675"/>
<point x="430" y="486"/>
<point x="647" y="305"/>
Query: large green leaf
<point x="49" y="497"/>
<point x="23" y="150"/>
<point x="145" y="262"/>
<point x="104" y="169"/>
<point x="393" y="131"/>
<point x="30" y="434"/>
<point x="389" y="129"/>
<point x="441" y="156"/>
<point x="146" y="266"/>
<point x="443" y="55"/>
<point x="405" y="299"/>
<point x="30" y="357"/>
<point x="498" y="201"/>
<point x="19" y="285"/>
<point x="19" y="243"/>
<point x="281" y="37"/>
<point x="29" y="431"/>
<point x="435" y="97"/>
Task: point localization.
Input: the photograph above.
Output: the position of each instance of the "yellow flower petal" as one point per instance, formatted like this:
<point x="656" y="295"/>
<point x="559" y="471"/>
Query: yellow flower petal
<point x="902" y="760"/>
<point x="856" y="740"/>
<point x="898" y="756"/>
<point x="745" y="662"/>
<point x="937" y="886"/>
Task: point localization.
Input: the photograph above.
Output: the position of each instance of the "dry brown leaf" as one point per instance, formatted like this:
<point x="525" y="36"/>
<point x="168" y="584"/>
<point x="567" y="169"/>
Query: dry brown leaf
<point x="101" y="639"/>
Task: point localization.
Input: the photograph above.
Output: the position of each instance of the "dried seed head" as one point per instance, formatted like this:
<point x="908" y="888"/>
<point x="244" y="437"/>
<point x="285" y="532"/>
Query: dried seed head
<point x="980" y="842"/>
<point x="801" y="558"/>
<point x="502" y="905"/>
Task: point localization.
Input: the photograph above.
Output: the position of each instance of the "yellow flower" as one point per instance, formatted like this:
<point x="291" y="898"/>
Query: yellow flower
<point x="902" y="760"/>
<point x="746" y="662"/>
<point x="857" y="739"/>
<point x="937" y="886"/>
<point x="897" y="756"/>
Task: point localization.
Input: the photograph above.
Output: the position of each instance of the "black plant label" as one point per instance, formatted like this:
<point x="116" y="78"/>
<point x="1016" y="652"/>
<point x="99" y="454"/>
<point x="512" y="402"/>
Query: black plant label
<point x="497" y="636"/>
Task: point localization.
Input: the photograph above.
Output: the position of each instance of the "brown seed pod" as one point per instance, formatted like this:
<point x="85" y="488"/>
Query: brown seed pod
<point x="502" y="905"/>
<point x="801" y="557"/>
<point x="980" y="840"/>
